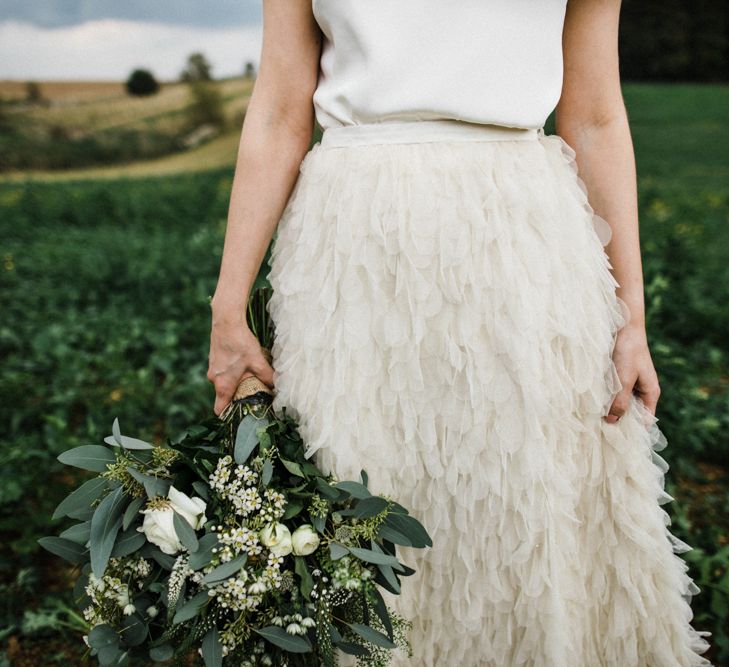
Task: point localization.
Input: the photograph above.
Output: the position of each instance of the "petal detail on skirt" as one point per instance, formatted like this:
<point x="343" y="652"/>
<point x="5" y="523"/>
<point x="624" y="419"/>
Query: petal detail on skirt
<point x="445" y="318"/>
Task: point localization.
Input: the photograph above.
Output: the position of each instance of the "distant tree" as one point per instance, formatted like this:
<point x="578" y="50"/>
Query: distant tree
<point x="142" y="82"/>
<point x="33" y="93"/>
<point x="198" y="69"/>
<point x="207" y="107"/>
<point x="249" y="71"/>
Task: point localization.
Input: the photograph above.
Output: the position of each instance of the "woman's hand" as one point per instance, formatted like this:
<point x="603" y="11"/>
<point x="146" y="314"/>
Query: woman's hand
<point x="235" y="353"/>
<point x="636" y="372"/>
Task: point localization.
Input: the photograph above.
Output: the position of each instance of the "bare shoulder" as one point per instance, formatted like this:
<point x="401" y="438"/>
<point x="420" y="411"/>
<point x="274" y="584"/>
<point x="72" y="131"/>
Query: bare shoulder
<point x="591" y="85"/>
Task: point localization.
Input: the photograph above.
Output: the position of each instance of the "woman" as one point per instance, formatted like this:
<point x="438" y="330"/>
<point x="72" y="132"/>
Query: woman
<point x="455" y="317"/>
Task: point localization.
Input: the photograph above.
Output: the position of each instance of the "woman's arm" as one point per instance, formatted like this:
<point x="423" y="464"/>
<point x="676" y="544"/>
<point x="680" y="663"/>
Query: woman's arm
<point x="591" y="117"/>
<point x="276" y="134"/>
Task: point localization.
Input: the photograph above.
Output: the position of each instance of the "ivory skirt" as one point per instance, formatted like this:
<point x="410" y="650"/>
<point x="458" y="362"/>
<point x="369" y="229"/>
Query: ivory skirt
<point x="445" y="316"/>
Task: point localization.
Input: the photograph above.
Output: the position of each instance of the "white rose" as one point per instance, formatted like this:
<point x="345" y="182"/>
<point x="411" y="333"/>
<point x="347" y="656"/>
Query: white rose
<point x="304" y="540"/>
<point x="159" y="529"/>
<point x="277" y="537"/>
<point x="158" y="523"/>
<point x="193" y="509"/>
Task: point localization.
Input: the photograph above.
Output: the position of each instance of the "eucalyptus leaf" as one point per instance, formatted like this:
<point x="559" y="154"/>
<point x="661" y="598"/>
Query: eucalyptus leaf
<point x="204" y="553"/>
<point x="161" y="653"/>
<point x="191" y="607"/>
<point x="166" y="561"/>
<point x="267" y="472"/>
<point x="127" y="442"/>
<point x="79" y="533"/>
<point x="127" y="543"/>
<point x="354" y="489"/>
<point x="82" y="497"/>
<point x="284" y="640"/>
<point x="116" y="431"/>
<point x="369" y="507"/>
<point x="132" y="512"/>
<point x="212" y="649"/>
<point x="410" y="527"/>
<point x="326" y="489"/>
<point x="293" y="467"/>
<point x="64" y="548"/>
<point x="293" y="507"/>
<point x="185" y="532"/>
<point x="352" y="648"/>
<point x="390" y="577"/>
<point x="375" y="557"/>
<point x="381" y="611"/>
<point x="319" y="522"/>
<point x="88" y="457"/>
<point x="134" y="631"/>
<point x="102" y="635"/>
<point x="201" y="489"/>
<point x="225" y="571"/>
<point x="307" y="581"/>
<point x="154" y="486"/>
<point x="371" y="635"/>
<point x="246" y="439"/>
<point x="336" y="550"/>
<point x="105" y="526"/>
<point x="388" y="533"/>
<point x="110" y="656"/>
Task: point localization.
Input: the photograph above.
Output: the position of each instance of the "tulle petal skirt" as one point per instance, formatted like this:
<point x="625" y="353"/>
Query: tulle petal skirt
<point x="445" y="316"/>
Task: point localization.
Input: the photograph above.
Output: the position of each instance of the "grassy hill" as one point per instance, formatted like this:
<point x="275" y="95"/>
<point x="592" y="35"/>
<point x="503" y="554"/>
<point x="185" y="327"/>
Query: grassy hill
<point x="74" y="125"/>
<point x="677" y="129"/>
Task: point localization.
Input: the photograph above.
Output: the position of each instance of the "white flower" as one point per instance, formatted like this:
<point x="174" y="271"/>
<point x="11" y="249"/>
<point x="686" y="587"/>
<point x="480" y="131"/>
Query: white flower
<point x="158" y="523"/>
<point x="129" y="610"/>
<point x="304" y="540"/>
<point x="294" y="629"/>
<point x="277" y="537"/>
<point x="193" y="509"/>
<point x="159" y="529"/>
<point x="152" y="611"/>
<point x="257" y="587"/>
<point x="308" y="622"/>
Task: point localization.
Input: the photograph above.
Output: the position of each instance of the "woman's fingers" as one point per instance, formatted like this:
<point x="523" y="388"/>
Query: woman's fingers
<point x="649" y="390"/>
<point x="262" y="370"/>
<point x="227" y="383"/>
<point x="621" y="402"/>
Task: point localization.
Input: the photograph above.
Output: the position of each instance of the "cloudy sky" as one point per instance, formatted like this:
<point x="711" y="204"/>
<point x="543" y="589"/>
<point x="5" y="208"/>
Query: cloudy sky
<point x="106" y="39"/>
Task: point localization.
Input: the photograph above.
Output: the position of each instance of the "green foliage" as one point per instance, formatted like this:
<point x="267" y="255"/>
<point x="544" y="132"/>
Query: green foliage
<point x="206" y="105"/>
<point x="674" y="40"/>
<point x="141" y="82"/>
<point x="198" y="68"/>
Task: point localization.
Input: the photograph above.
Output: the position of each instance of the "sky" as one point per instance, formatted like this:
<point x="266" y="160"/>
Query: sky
<point x="107" y="39"/>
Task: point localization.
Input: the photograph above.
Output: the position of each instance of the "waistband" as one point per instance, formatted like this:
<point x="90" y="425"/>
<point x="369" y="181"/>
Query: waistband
<point x="422" y="131"/>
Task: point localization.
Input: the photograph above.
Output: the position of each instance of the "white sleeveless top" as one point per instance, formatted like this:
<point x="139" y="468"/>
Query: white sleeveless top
<point x="484" y="61"/>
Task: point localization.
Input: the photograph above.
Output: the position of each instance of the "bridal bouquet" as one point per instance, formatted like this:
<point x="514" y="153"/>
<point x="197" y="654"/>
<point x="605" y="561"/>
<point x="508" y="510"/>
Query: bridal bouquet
<point x="229" y="543"/>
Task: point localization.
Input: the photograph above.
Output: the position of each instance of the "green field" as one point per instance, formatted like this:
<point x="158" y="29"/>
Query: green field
<point x="104" y="294"/>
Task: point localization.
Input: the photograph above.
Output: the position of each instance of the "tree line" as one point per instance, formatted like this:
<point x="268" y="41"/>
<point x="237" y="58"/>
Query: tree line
<point x="674" y="40"/>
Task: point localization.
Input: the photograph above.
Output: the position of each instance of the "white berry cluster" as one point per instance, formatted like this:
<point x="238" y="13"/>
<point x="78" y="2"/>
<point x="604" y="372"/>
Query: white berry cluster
<point x="112" y="591"/>
<point x="244" y="590"/>
<point x="236" y="484"/>
<point x="236" y="540"/>
<point x="275" y="505"/>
